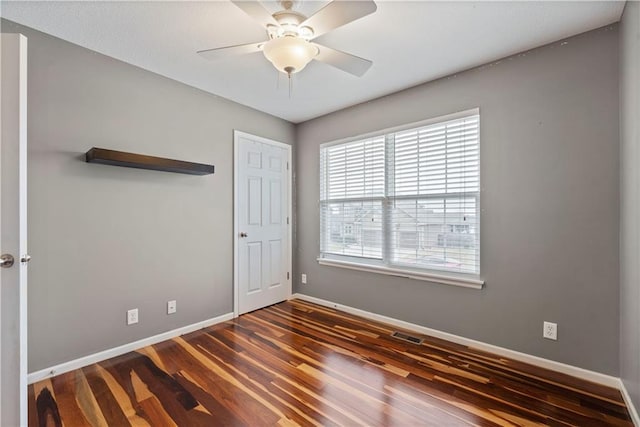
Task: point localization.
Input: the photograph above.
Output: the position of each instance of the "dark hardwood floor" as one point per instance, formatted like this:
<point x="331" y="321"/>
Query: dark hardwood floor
<point x="296" y="363"/>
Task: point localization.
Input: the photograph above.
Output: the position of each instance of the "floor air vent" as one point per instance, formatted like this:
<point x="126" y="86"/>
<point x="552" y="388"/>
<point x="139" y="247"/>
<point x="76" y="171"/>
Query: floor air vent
<point x="405" y="337"/>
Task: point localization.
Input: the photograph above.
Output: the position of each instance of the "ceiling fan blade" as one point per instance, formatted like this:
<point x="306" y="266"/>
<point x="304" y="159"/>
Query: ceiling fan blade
<point x="344" y="61"/>
<point x="338" y="13"/>
<point x="255" y="10"/>
<point x="227" y="51"/>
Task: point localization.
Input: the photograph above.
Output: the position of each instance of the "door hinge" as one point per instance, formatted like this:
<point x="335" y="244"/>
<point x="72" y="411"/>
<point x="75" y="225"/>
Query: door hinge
<point x="287" y="220"/>
<point x="287" y="275"/>
<point x="287" y="165"/>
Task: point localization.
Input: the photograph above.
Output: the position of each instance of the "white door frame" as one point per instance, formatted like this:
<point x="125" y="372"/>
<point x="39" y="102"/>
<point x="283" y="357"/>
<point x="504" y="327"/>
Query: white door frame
<point x="236" y="232"/>
<point x="13" y="357"/>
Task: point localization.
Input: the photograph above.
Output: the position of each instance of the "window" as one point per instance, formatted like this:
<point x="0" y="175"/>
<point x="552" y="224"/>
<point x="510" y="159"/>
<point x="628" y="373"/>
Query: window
<point x="407" y="199"/>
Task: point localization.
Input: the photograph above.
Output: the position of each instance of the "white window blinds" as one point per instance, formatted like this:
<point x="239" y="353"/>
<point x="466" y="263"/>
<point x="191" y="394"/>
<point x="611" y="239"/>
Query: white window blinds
<point x="408" y="198"/>
<point x="354" y="170"/>
<point x="353" y="188"/>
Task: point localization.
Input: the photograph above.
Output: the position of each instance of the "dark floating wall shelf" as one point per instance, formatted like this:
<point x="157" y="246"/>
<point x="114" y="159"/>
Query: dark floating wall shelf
<point x="140" y="161"/>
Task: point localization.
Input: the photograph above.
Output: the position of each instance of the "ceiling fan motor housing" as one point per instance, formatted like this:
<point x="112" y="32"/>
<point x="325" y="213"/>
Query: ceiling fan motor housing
<point x="289" y="25"/>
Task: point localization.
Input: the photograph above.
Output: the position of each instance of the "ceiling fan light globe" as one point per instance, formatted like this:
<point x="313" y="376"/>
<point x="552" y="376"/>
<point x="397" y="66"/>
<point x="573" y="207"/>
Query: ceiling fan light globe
<point x="289" y="54"/>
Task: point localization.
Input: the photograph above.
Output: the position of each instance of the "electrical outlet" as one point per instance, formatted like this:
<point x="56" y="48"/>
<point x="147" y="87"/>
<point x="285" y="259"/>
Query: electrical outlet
<point x="132" y="316"/>
<point x="304" y="279"/>
<point x="550" y="331"/>
<point x="171" y="307"/>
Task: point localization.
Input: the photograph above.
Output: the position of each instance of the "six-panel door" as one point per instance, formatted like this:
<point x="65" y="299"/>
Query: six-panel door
<point x="263" y="240"/>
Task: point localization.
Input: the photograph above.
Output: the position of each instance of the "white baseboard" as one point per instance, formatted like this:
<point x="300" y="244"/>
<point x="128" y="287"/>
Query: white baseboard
<point x="633" y="412"/>
<point x="574" y="371"/>
<point x="117" y="351"/>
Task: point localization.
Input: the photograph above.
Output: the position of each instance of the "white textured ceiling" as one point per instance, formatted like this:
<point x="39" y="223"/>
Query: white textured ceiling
<point x="408" y="42"/>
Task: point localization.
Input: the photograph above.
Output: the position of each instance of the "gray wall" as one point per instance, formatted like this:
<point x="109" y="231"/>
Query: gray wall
<point x="106" y="239"/>
<point x="549" y="137"/>
<point x="630" y="200"/>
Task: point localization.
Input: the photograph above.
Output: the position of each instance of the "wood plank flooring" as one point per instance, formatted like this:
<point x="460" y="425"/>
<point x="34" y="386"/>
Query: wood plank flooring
<point x="296" y="363"/>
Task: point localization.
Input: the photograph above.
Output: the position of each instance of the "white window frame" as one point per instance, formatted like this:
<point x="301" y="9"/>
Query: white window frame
<point x="375" y="266"/>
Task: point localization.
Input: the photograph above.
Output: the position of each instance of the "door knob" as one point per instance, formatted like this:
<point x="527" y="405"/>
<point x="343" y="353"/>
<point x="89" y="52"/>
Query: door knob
<point x="6" y="260"/>
<point x="243" y="234"/>
<point x="25" y="258"/>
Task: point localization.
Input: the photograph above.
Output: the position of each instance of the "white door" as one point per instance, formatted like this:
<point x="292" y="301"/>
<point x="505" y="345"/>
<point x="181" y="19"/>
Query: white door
<point x="13" y="231"/>
<point x="262" y="229"/>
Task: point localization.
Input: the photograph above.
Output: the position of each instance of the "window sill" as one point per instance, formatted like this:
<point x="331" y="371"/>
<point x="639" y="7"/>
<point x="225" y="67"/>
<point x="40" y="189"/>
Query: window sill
<point x="408" y="274"/>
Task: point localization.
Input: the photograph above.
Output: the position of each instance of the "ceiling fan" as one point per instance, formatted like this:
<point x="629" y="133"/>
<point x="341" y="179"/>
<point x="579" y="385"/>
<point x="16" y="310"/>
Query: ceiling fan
<point x="289" y="46"/>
